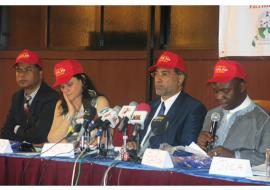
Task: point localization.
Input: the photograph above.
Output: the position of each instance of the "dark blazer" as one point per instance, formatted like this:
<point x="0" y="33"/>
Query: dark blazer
<point x="185" y="117"/>
<point x="35" y="125"/>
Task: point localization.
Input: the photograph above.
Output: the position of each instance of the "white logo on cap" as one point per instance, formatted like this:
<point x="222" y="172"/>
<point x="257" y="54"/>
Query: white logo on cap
<point x="23" y="55"/>
<point x="221" y="69"/>
<point x="60" y="71"/>
<point x="165" y="58"/>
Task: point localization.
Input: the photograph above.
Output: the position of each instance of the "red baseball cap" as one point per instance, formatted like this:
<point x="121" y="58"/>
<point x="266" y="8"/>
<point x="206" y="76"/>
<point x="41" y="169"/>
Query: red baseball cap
<point x="169" y="60"/>
<point x="65" y="70"/>
<point x="29" y="57"/>
<point x="226" y="70"/>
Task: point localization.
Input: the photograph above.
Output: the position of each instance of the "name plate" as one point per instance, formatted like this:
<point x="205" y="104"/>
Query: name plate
<point x="157" y="158"/>
<point x="58" y="150"/>
<point x="230" y="167"/>
<point x="5" y="147"/>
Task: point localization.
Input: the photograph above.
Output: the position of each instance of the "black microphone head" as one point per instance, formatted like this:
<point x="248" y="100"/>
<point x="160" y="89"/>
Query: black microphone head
<point x="90" y="113"/>
<point x="98" y="123"/>
<point x="159" y="125"/>
<point x="215" y="117"/>
<point x="77" y="128"/>
<point x="123" y="124"/>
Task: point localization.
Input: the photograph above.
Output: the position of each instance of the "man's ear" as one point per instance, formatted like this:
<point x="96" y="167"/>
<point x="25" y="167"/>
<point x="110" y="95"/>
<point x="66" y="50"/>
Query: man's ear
<point x="181" y="79"/>
<point x="41" y="74"/>
<point x="243" y="87"/>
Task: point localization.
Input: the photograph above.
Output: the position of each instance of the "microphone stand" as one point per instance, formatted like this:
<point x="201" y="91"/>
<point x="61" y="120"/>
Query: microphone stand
<point x="84" y="141"/>
<point x="137" y="138"/>
<point x="125" y="137"/>
<point x="99" y="134"/>
<point x="106" y="143"/>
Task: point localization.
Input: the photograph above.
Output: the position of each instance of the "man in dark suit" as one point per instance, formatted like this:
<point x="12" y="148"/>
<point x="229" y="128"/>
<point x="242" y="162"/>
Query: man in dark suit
<point x="184" y="113"/>
<point x="32" y="108"/>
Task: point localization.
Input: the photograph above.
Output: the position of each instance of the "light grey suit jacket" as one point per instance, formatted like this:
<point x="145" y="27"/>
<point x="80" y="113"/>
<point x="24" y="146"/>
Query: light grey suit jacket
<point x="249" y="134"/>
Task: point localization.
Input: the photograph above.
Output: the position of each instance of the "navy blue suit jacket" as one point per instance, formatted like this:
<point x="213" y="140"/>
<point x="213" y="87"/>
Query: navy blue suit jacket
<point x="186" y="117"/>
<point x="36" y="125"/>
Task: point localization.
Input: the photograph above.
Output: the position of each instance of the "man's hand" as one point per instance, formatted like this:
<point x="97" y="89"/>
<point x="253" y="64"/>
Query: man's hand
<point x="221" y="151"/>
<point x="204" y="139"/>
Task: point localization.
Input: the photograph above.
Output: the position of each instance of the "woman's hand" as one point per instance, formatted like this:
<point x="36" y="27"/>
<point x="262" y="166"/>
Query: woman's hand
<point x="71" y="107"/>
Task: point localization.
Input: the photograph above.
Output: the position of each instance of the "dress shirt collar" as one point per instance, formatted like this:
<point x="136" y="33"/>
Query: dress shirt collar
<point x="168" y="103"/>
<point x="32" y="95"/>
<point x="243" y="105"/>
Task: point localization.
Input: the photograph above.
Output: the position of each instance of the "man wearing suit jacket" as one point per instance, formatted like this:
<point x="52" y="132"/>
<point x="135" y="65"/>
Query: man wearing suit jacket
<point x="32" y="108"/>
<point x="243" y="130"/>
<point x="184" y="113"/>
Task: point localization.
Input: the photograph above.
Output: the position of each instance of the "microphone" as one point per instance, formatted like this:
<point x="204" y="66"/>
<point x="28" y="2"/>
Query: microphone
<point x="215" y="117"/>
<point x="137" y="120"/>
<point x="133" y="103"/>
<point x="74" y="129"/>
<point x="159" y="125"/>
<point x="107" y="117"/>
<point x="110" y="117"/>
<point x="125" y="114"/>
<point x="140" y="115"/>
<point x="89" y="115"/>
<point x="127" y="111"/>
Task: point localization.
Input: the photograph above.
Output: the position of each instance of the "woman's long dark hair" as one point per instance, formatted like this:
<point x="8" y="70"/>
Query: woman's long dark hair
<point x="88" y="92"/>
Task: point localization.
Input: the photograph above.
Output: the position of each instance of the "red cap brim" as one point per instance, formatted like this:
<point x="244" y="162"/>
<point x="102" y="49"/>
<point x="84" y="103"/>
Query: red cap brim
<point x="154" y="67"/>
<point x="61" y="81"/>
<point x="219" y="79"/>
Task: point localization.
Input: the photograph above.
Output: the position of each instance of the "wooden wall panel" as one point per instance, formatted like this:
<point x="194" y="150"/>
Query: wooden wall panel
<point x="26" y="26"/>
<point x="125" y="18"/>
<point x="71" y="25"/>
<point x="194" y="27"/>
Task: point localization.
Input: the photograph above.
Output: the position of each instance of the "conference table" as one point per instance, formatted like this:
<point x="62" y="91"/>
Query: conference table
<point x="22" y="169"/>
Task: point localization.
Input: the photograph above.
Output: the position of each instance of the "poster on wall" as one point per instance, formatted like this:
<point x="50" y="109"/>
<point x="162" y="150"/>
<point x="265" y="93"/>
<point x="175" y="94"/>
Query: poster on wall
<point x="244" y="30"/>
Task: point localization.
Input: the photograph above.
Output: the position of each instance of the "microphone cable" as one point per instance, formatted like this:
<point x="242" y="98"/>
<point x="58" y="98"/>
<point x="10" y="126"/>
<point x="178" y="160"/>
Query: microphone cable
<point x="80" y="163"/>
<point x="74" y="166"/>
<point x="41" y="175"/>
<point x="38" y="155"/>
<point x="105" y="176"/>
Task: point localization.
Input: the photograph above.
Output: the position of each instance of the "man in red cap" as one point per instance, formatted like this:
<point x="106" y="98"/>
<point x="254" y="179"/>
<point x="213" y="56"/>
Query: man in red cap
<point x="31" y="112"/>
<point x="241" y="128"/>
<point x="185" y="114"/>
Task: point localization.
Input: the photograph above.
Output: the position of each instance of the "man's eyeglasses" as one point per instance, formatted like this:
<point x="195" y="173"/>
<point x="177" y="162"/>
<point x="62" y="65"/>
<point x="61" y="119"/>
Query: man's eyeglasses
<point x="162" y="74"/>
<point x="24" y="70"/>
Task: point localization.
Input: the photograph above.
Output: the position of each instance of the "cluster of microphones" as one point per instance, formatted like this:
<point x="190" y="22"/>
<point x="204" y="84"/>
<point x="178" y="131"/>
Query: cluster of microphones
<point x="119" y="118"/>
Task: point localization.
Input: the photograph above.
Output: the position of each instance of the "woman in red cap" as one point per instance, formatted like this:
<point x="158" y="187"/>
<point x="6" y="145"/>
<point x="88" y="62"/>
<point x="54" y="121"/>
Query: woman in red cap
<point x="77" y="95"/>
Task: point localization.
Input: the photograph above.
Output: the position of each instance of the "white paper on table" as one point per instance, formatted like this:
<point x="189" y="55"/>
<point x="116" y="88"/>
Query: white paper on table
<point x="259" y="170"/>
<point x="230" y="167"/>
<point x="195" y="149"/>
<point x="157" y="158"/>
<point x="5" y="147"/>
<point x="60" y="150"/>
<point x="259" y="178"/>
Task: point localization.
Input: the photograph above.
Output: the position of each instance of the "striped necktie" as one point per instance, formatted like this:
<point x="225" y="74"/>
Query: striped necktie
<point x="26" y="104"/>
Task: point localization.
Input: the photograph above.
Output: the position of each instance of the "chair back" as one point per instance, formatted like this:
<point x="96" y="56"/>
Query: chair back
<point x="264" y="104"/>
